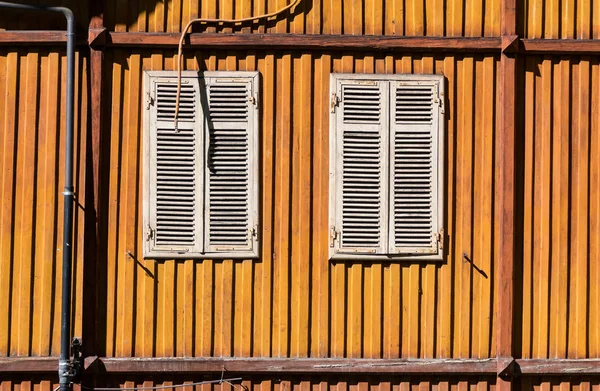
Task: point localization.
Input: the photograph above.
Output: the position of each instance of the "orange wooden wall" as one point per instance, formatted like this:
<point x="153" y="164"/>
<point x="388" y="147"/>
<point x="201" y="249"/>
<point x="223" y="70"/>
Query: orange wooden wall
<point x="561" y="207"/>
<point x="370" y="17"/>
<point x="32" y="142"/>
<point x="294" y="301"/>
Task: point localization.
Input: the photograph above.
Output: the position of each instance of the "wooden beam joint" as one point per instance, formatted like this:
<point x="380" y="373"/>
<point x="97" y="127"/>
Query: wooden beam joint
<point x="510" y="44"/>
<point x="505" y="367"/>
<point x="97" y="38"/>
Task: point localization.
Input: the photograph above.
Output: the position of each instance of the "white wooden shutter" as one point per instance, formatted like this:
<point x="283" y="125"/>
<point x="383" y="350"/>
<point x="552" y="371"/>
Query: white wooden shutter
<point x="231" y="171"/>
<point x="415" y="175"/>
<point x="173" y="161"/>
<point x="359" y="157"/>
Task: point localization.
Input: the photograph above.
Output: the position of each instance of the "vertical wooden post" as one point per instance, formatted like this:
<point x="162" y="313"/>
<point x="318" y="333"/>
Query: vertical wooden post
<point x="93" y="180"/>
<point x="505" y="205"/>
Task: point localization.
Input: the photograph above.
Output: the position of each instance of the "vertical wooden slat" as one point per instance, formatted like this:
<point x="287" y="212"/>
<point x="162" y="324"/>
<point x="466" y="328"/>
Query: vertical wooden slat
<point x="9" y="68"/>
<point x="560" y="201"/>
<point x="320" y="231"/>
<point x="282" y="218"/>
<point x="24" y="186"/>
<point x="464" y="248"/>
<point x="300" y="201"/>
<point x="529" y="191"/>
<point x="505" y="194"/>
<point x="445" y="281"/>
<point x="578" y="326"/>
<point x="594" y="214"/>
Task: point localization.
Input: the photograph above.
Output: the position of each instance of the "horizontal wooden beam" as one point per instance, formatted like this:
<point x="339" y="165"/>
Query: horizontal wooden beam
<point x="250" y="366"/>
<point x="291" y="366"/>
<point x="538" y="367"/>
<point x="102" y="38"/>
<point x="28" y="364"/>
<point x="307" y="41"/>
<point x="33" y="37"/>
<point x="560" y="46"/>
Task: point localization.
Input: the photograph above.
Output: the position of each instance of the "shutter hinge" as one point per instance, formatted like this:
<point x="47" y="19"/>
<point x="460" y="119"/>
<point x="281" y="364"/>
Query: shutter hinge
<point x="333" y="236"/>
<point x="149" y="233"/>
<point x="438" y="98"/>
<point x="149" y="100"/>
<point x="252" y="99"/>
<point x="253" y="231"/>
<point x="335" y="101"/>
<point x="439" y="237"/>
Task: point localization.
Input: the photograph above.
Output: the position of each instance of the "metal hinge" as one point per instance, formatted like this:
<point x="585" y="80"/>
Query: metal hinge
<point x="439" y="238"/>
<point x="149" y="100"/>
<point x="335" y="101"/>
<point x="333" y="236"/>
<point x="438" y="98"/>
<point x="149" y="233"/>
<point x="252" y="99"/>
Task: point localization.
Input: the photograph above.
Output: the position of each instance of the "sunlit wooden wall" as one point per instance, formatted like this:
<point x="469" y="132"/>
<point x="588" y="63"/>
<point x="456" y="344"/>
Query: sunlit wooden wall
<point x="560" y="309"/>
<point x="356" y="17"/>
<point x="32" y="142"/>
<point x="293" y="301"/>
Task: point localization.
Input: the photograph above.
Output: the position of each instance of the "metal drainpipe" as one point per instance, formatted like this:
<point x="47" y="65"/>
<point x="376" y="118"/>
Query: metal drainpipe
<point x="64" y="365"/>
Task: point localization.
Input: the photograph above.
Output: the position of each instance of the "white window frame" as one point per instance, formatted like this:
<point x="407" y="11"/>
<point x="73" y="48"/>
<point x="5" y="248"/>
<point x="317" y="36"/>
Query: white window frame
<point x="202" y="251"/>
<point x="335" y="162"/>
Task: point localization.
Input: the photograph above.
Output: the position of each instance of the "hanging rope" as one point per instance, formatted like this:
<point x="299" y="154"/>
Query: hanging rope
<point x="206" y="20"/>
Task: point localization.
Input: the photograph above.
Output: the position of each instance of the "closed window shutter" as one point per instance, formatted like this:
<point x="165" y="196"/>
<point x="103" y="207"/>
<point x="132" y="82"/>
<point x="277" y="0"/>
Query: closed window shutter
<point x="174" y="161"/>
<point x="360" y="157"/>
<point x="231" y="169"/>
<point x="414" y="176"/>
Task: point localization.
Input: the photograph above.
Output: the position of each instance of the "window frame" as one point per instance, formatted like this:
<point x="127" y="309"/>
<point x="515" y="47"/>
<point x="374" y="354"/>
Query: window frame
<point x="202" y="131"/>
<point x="335" y="161"/>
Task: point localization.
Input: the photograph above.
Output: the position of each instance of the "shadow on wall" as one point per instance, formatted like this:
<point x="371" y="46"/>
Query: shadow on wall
<point x="147" y="15"/>
<point x="28" y="20"/>
<point x="170" y="16"/>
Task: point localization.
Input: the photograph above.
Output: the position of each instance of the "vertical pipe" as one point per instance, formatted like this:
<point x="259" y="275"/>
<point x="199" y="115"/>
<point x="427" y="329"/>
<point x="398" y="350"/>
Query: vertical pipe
<point x="64" y="364"/>
<point x="65" y="324"/>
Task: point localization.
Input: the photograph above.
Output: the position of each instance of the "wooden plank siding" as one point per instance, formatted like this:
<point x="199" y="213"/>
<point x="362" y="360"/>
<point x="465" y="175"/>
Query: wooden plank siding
<point x="32" y="127"/>
<point x="472" y="18"/>
<point x="561" y="204"/>
<point x="294" y="302"/>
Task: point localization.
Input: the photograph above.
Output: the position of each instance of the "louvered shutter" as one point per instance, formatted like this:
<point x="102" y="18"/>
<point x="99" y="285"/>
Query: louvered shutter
<point x="415" y="179"/>
<point x="231" y="169"/>
<point x="173" y="167"/>
<point x="360" y="153"/>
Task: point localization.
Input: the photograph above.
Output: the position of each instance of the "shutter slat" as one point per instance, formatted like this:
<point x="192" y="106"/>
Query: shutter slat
<point x="361" y="190"/>
<point x="172" y="167"/>
<point x="166" y="99"/>
<point x="414" y="168"/>
<point x="229" y="166"/>
<point x="175" y="181"/>
<point x="228" y="102"/>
